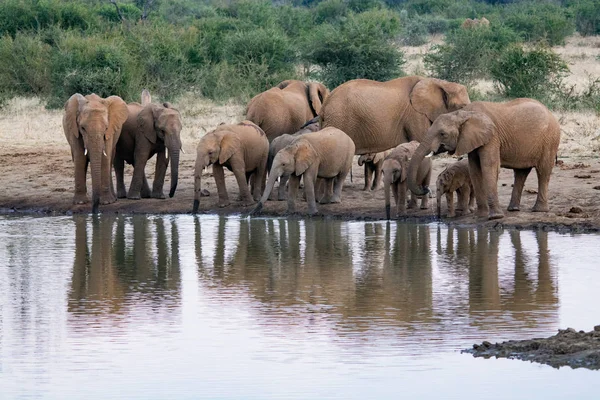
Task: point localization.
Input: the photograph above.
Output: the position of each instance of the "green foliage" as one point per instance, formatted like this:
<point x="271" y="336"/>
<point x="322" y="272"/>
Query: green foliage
<point x="109" y="13"/>
<point x="536" y="73"/>
<point x="361" y="48"/>
<point x="414" y="32"/>
<point x="587" y="17"/>
<point x="466" y="53"/>
<point x="359" y="6"/>
<point x="24" y="65"/>
<point x="536" y="21"/>
<point x="331" y="11"/>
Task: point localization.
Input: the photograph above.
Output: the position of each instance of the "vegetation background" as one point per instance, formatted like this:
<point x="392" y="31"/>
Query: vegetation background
<point x="231" y="50"/>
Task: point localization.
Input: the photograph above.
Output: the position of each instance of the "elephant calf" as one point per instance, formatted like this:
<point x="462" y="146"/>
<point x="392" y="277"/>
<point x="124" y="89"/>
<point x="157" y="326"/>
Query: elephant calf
<point x="325" y="154"/>
<point x="278" y="144"/>
<point x="373" y="163"/>
<point x="455" y="178"/>
<point x="243" y="149"/>
<point x="150" y="129"/>
<point x="395" y="171"/>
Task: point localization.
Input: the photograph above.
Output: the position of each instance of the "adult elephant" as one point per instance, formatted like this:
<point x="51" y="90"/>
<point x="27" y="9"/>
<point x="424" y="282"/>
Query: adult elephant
<point x="520" y="134"/>
<point x="286" y="107"/>
<point x="150" y="129"/>
<point x="92" y="126"/>
<point x="381" y="115"/>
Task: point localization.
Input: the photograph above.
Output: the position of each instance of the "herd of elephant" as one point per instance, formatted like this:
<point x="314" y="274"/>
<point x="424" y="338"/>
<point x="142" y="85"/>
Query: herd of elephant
<point x="300" y="130"/>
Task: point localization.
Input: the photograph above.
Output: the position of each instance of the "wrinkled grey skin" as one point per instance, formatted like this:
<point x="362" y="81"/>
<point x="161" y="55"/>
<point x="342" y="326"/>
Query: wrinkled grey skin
<point x="455" y="178"/>
<point x="395" y="171"/>
<point x="278" y="144"/>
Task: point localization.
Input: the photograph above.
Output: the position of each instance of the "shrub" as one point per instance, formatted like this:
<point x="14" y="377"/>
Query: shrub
<point x="414" y="33"/>
<point x="466" y="53"/>
<point x="361" y="48"/>
<point x="23" y="66"/>
<point x="330" y="11"/>
<point x="129" y="11"/>
<point x="587" y="17"/>
<point x="536" y="73"/>
<point x="536" y="21"/>
<point x="363" y="5"/>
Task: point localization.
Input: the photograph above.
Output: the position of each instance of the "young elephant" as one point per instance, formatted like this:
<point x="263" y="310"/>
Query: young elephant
<point x="395" y="170"/>
<point x="373" y="163"/>
<point x="243" y="149"/>
<point x="278" y="144"/>
<point x="455" y="178"/>
<point x="326" y="154"/>
<point x="150" y="129"/>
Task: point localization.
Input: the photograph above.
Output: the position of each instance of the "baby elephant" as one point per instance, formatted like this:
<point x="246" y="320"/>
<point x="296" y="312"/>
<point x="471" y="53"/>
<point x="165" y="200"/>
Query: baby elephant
<point x="279" y="143"/>
<point x="395" y="170"/>
<point x="241" y="148"/>
<point x="326" y="154"/>
<point x="455" y="178"/>
<point x="373" y="163"/>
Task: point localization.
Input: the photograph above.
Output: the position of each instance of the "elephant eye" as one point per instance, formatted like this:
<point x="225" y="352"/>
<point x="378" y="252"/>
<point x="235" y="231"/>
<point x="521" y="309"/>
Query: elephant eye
<point x="444" y="134"/>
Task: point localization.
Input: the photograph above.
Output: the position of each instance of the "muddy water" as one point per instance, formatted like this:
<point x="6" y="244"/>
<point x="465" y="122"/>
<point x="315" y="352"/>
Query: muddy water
<point x="189" y="307"/>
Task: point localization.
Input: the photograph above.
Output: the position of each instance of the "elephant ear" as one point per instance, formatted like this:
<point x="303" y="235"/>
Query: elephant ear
<point x="317" y="93"/>
<point x="230" y="143"/>
<point x="117" y="115"/>
<point x="284" y="84"/>
<point x="476" y="130"/>
<point x="404" y="161"/>
<point x="378" y="157"/>
<point x="303" y="156"/>
<point x="146" y="98"/>
<point x="434" y="97"/>
<point x="146" y="120"/>
<point x="72" y="107"/>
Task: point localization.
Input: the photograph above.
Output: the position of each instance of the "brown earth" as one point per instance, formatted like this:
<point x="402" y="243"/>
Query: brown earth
<point x="35" y="180"/>
<point x="567" y="348"/>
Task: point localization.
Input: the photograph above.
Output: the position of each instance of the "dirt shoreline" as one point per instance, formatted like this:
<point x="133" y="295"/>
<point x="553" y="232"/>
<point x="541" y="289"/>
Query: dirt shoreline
<point x="40" y="181"/>
<point x="567" y="348"/>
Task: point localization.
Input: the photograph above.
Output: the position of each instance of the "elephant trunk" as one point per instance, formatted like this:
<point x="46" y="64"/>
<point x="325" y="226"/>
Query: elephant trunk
<point x="197" y="186"/>
<point x="438" y="195"/>
<point x="174" y="156"/>
<point x="413" y="169"/>
<point x="96" y="153"/>
<point x="386" y="184"/>
<point x="268" y="188"/>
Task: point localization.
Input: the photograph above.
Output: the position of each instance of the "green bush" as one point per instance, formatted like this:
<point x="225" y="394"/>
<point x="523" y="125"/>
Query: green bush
<point x="331" y="11"/>
<point x="359" y="6"/>
<point x="466" y="53"/>
<point x="414" y="33"/>
<point x="361" y="48"/>
<point x="587" y="17"/>
<point x="536" y="21"/>
<point x="24" y="68"/>
<point x="129" y="11"/>
<point x="94" y="64"/>
<point x="536" y="73"/>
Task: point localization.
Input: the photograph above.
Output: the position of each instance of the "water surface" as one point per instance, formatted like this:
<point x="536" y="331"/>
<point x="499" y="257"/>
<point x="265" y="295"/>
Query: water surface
<point x="183" y="307"/>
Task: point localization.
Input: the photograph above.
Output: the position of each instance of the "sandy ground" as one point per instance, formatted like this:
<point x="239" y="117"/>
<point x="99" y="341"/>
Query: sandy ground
<point x="36" y="171"/>
<point x="567" y="348"/>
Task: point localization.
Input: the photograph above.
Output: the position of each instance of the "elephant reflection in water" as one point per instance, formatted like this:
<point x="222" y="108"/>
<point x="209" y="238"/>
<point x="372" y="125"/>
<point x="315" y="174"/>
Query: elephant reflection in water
<point x="477" y="253"/>
<point x="114" y="268"/>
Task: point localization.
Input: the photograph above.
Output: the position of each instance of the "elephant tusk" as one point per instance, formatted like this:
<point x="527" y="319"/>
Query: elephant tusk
<point x="431" y="153"/>
<point x="104" y="152"/>
<point x="167" y="154"/>
<point x="183" y="151"/>
<point x="85" y="152"/>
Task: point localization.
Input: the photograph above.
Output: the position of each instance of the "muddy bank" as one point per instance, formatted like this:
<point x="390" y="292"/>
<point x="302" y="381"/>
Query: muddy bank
<point x="34" y="180"/>
<point x="567" y="348"/>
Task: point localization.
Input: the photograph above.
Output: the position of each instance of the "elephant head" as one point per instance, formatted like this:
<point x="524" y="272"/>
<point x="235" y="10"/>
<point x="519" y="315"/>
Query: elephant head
<point x="457" y="133"/>
<point x="292" y="159"/>
<point x="92" y="126"/>
<point x="434" y="97"/>
<point x="215" y="147"/>
<point x="162" y="124"/>
<point x="394" y="170"/>
<point x="371" y="158"/>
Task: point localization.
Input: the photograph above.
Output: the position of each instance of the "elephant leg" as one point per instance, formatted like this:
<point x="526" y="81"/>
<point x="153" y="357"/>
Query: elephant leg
<point x="478" y="185"/>
<point x="293" y="185"/>
<point x="119" y="165"/>
<point x="146" y="193"/>
<point x="425" y="202"/>
<point x="309" y="189"/>
<point x="81" y="166"/>
<point x="377" y="176"/>
<point x="107" y="192"/>
<point x="337" y="188"/>
<point x="394" y="187"/>
<point x="259" y="178"/>
<point x="450" y="203"/>
<point x="220" y="182"/>
<point x="541" y="203"/>
<point x="471" y="197"/>
<point x="239" y="172"/>
<point x="368" y="176"/>
<point x="326" y="187"/>
<point x="412" y="203"/>
<point x="490" y="170"/>
<point x="139" y="176"/>
<point x="162" y="162"/>
<point x="462" y="194"/>
<point x="401" y="203"/>
<point x="515" y="198"/>
<point x="282" y="194"/>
